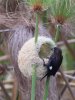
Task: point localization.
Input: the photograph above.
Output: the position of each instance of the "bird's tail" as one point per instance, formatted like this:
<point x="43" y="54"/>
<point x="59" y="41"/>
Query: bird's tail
<point x="44" y="76"/>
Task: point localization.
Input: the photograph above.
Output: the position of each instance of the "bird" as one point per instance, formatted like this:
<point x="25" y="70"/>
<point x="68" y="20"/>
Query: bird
<point x="54" y="62"/>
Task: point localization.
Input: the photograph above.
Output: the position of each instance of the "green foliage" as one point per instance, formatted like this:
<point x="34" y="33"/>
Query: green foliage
<point x="33" y="82"/>
<point x="63" y="8"/>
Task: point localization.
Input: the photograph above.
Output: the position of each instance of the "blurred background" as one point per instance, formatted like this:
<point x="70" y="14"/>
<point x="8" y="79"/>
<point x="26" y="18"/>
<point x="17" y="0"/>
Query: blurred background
<point x="11" y="13"/>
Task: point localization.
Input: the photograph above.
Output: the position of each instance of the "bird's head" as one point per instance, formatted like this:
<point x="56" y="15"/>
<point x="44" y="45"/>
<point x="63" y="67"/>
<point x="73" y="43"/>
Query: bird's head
<point x="57" y="50"/>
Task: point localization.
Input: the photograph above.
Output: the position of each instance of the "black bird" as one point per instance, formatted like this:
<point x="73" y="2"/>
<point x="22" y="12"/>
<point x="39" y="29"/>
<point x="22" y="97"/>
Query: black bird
<point x="54" y="62"/>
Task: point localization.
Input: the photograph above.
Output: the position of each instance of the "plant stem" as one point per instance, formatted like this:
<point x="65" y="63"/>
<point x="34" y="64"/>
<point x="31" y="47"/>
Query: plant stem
<point x="17" y="97"/>
<point x="34" y="66"/>
<point x="33" y="82"/>
<point x="47" y="80"/>
<point x="57" y="33"/>
<point x="44" y="18"/>
<point x="46" y="88"/>
<point x="36" y="28"/>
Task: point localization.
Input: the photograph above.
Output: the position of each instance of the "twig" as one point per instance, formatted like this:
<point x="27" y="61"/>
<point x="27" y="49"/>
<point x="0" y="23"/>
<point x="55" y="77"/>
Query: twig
<point x="67" y="76"/>
<point x="64" y="88"/>
<point x="5" y="57"/>
<point x="5" y="92"/>
<point x="15" y="89"/>
<point x="5" y="30"/>
<point x="67" y="84"/>
<point x="70" y="72"/>
<point x="7" y="10"/>
<point x="72" y="84"/>
<point x="8" y="82"/>
<point x="69" y="42"/>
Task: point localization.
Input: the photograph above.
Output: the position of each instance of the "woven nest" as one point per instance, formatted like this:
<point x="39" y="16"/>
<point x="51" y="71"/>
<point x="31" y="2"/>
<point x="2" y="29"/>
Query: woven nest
<point x="32" y="53"/>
